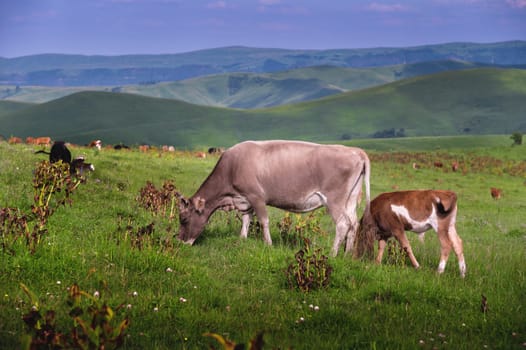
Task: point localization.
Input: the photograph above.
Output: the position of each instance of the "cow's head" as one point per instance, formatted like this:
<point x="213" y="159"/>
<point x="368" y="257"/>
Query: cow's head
<point x="192" y="218"/>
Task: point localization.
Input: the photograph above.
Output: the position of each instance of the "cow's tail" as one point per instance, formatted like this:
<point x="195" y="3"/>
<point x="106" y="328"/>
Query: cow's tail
<point x="367" y="181"/>
<point x="366" y="235"/>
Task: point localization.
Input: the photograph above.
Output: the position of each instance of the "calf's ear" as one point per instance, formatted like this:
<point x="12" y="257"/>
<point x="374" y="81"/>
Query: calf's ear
<point x="199" y="204"/>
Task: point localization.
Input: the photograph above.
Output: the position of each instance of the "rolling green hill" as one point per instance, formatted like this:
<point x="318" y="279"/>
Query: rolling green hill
<point x="7" y="107"/>
<point x="254" y="90"/>
<point x="41" y="94"/>
<point x="477" y="101"/>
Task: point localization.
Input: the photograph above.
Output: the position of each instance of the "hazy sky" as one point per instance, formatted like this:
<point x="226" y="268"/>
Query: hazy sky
<point x="112" y="27"/>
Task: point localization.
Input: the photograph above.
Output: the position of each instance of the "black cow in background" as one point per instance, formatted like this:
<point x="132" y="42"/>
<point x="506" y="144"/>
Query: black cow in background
<point x="59" y="151"/>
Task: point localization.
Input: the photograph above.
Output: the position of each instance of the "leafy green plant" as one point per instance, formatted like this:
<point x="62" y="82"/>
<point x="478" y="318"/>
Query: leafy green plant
<point x="13" y="225"/>
<point x="310" y="270"/>
<point x="53" y="186"/>
<point x="395" y="254"/>
<point x="254" y="344"/>
<point x="162" y="202"/>
<point x="141" y="236"/>
<point x="94" y="325"/>
<point x="294" y="228"/>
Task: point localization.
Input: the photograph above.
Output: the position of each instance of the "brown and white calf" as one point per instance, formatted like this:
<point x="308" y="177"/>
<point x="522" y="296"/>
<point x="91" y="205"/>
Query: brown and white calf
<point x="393" y="213"/>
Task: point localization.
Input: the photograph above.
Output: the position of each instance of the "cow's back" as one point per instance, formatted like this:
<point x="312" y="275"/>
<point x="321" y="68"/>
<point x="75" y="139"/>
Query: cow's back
<point x="288" y="169"/>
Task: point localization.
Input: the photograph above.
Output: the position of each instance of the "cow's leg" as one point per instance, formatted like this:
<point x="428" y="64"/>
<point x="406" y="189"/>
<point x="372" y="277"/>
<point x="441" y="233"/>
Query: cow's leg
<point x="245" y="219"/>
<point x="346" y="226"/>
<point x="342" y="227"/>
<point x="351" y="231"/>
<point x="381" y="247"/>
<point x="404" y="243"/>
<point x="350" y="210"/>
<point x="261" y="212"/>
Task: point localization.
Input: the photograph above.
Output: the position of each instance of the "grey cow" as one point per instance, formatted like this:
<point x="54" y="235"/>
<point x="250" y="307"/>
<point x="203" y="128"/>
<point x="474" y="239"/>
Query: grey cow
<point x="291" y="175"/>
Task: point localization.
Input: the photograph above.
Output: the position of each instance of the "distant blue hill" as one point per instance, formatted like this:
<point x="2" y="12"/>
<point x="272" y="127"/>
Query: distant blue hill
<point x="80" y="70"/>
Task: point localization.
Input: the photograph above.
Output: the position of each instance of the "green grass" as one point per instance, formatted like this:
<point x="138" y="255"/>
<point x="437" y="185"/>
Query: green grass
<point x="237" y="288"/>
<point x="426" y="143"/>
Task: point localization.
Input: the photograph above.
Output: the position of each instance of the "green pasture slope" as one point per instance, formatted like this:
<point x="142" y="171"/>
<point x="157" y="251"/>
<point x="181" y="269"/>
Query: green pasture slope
<point x="238" y="288"/>
<point x="474" y="102"/>
<point x="253" y="90"/>
<point x="7" y="107"/>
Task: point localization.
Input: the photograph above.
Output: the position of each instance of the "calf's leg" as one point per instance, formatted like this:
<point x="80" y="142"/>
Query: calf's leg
<point x="381" y="247"/>
<point x="457" y="247"/>
<point x="445" y="249"/>
<point x="404" y="243"/>
<point x="447" y="234"/>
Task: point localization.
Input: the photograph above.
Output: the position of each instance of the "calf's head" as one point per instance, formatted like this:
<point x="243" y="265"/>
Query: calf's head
<point x="192" y="218"/>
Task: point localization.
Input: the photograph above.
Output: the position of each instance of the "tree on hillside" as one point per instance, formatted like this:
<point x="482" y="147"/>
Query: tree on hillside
<point x="517" y="138"/>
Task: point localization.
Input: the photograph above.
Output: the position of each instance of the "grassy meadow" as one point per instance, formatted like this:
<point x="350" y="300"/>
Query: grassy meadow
<point x="172" y="293"/>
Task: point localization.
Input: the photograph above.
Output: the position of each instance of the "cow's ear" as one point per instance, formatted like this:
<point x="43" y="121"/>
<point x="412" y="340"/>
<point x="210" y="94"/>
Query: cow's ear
<point x="199" y="204"/>
<point x="183" y="202"/>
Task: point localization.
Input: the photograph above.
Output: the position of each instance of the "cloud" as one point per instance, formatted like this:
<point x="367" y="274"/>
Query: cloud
<point x="35" y="16"/>
<point x="217" y="5"/>
<point x="378" y="7"/>
<point x="275" y="26"/>
<point x="269" y="2"/>
<point x="517" y="3"/>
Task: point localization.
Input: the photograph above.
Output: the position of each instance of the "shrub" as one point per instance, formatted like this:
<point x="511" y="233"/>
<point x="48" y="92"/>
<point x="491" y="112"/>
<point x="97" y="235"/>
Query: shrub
<point x="53" y="186"/>
<point x="94" y="325"/>
<point x="517" y="138"/>
<point x="395" y="254"/>
<point x="310" y="270"/>
<point x="293" y="229"/>
<point x="162" y="202"/>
